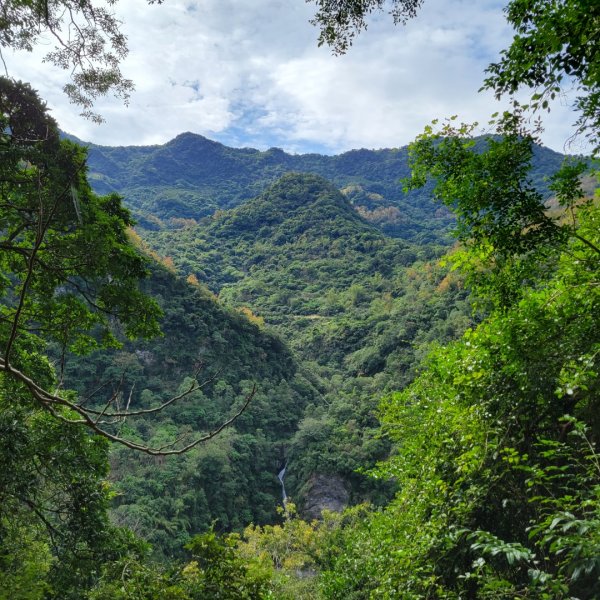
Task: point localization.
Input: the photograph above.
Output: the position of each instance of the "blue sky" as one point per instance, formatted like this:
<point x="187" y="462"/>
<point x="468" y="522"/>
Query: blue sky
<point x="251" y="74"/>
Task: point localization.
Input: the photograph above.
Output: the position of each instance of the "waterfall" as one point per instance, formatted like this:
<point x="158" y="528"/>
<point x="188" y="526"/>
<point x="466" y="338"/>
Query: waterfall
<point x="280" y="476"/>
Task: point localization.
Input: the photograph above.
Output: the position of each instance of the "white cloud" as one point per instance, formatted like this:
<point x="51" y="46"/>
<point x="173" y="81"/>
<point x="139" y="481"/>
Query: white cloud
<point x="251" y="74"/>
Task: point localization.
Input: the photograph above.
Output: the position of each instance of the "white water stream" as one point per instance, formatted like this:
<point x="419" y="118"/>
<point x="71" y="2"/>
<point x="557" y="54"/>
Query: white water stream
<point x="280" y="477"/>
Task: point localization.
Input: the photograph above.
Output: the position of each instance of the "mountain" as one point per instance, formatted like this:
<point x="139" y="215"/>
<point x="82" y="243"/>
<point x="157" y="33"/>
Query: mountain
<point x="318" y="308"/>
<point x="283" y="278"/>
<point x="298" y="256"/>
<point x="356" y="307"/>
<point x="301" y="276"/>
<point x="191" y="177"/>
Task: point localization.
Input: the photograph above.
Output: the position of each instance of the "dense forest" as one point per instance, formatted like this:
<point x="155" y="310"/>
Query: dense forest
<point x="164" y="193"/>
<point x="233" y="373"/>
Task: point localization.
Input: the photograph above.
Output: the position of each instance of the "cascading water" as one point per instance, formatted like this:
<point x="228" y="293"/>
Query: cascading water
<point x="280" y="477"/>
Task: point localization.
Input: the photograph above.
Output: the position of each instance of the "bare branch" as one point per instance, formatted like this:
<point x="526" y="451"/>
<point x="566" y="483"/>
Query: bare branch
<point x="108" y="403"/>
<point x="50" y="402"/>
<point x="92" y="393"/>
<point x="193" y="387"/>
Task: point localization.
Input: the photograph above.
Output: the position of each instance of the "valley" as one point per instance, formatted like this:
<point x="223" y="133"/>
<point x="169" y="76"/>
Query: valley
<point x="293" y="290"/>
<point x="258" y="374"/>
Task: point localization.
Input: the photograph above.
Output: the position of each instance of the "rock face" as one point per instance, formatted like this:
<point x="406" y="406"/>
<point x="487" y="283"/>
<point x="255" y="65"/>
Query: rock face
<point x="325" y="492"/>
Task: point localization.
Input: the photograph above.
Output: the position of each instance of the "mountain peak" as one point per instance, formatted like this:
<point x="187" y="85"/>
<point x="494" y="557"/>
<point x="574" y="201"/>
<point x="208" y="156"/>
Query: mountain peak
<point x="296" y="204"/>
<point x="192" y="177"/>
<point x="188" y="138"/>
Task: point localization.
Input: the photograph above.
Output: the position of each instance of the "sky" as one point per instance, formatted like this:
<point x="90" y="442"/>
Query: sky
<point x="250" y="74"/>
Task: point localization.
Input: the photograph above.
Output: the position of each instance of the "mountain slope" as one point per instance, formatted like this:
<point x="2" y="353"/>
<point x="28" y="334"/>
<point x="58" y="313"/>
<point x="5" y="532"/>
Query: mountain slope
<point x="357" y="308"/>
<point x="301" y="258"/>
<point x="190" y="177"/>
<point x="230" y="480"/>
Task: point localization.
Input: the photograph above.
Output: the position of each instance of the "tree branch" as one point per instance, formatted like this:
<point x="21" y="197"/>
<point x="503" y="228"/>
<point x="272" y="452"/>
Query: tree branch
<point x="193" y="387"/>
<point x="587" y="243"/>
<point x="50" y="401"/>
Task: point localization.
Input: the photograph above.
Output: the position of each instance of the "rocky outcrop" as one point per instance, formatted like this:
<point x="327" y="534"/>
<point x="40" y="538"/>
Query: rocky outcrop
<point x="325" y="492"/>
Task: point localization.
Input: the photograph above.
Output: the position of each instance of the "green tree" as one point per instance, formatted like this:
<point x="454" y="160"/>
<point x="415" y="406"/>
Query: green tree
<point x="54" y="529"/>
<point x="501" y="219"/>
<point x="494" y="456"/>
<point x="92" y="51"/>
<point x="68" y="271"/>
<point x="67" y="263"/>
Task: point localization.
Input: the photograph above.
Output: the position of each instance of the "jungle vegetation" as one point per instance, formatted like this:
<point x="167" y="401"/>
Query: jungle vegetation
<point x="433" y="346"/>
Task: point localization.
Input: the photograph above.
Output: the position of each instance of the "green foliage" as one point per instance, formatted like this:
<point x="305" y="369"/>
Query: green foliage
<point x="555" y="46"/>
<point x="497" y="488"/>
<point x="189" y="178"/>
<point x="69" y="275"/>
<point x="358" y="309"/>
<point x="493" y="460"/>
<point x="340" y="21"/>
<point x="487" y="189"/>
<point x="54" y="528"/>
<point x="26" y="562"/>
<point x="300" y="258"/>
<point x="568" y="529"/>
<point x="214" y="571"/>
<point x="232" y="480"/>
<point x="344" y="297"/>
<point x="91" y="53"/>
<point x="289" y="553"/>
<point x="66" y="267"/>
<point x="501" y="218"/>
<point x="138" y="580"/>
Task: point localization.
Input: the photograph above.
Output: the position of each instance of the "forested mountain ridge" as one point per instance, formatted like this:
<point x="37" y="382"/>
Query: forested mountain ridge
<point x="302" y="259"/>
<point x="191" y="177"/>
<point x="357" y="308"/>
<point x="299" y="218"/>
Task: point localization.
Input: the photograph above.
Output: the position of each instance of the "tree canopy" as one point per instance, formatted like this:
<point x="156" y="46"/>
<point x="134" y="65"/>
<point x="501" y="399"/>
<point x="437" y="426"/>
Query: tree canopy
<point x="88" y="42"/>
<point x="69" y="273"/>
